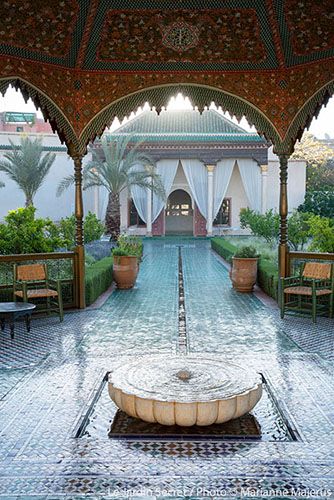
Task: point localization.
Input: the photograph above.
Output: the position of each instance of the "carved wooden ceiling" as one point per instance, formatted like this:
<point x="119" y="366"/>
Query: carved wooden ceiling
<point x="84" y="61"/>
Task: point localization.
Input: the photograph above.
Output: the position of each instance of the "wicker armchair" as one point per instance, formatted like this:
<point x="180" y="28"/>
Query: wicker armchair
<point x="31" y="283"/>
<point x="311" y="292"/>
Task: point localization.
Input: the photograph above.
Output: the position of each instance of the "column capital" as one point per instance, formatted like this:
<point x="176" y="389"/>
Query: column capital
<point x="264" y="169"/>
<point x="210" y="168"/>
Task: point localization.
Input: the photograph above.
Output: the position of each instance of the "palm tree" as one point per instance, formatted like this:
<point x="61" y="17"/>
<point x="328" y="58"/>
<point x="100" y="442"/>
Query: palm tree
<point x="26" y="166"/>
<point x="115" y="170"/>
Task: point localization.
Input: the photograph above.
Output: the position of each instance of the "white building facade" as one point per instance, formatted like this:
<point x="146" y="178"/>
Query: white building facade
<point x="210" y="168"/>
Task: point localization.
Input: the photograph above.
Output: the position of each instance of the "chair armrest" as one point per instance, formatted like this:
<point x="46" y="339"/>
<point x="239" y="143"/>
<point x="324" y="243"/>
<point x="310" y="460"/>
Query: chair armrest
<point x="291" y="280"/>
<point x="317" y="283"/>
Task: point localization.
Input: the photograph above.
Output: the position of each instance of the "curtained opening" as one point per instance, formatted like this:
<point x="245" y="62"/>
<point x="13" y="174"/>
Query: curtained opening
<point x="179" y="213"/>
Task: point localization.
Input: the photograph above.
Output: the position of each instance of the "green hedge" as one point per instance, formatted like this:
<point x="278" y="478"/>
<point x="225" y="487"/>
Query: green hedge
<point x="223" y="248"/>
<point x="267" y="274"/>
<point x="98" y="279"/>
<point x="267" y="278"/>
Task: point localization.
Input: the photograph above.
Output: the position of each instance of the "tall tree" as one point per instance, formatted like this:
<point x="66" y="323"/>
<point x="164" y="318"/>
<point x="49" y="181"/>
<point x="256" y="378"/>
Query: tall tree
<point x="115" y="170"/>
<point x="319" y="158"/>
<point x="26" y="165"/>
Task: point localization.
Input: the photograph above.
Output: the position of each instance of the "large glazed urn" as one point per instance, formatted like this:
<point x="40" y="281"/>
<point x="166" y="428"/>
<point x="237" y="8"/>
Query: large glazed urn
<point x="243" y="273"/>
<point x="125" y="270"/>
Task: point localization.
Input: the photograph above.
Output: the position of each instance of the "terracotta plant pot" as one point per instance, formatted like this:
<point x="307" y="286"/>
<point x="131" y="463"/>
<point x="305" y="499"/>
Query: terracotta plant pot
<point x="243" y="273"/>
<point x="125" y="270"/>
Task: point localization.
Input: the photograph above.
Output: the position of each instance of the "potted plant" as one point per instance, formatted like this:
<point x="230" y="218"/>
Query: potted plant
<point x="244" y="269"/>
<point x="126" y="255"/>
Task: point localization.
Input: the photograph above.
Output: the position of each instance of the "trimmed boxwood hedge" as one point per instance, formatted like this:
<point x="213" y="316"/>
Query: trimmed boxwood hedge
<point x="98" y="279"/>
<point x="267" y="273"/>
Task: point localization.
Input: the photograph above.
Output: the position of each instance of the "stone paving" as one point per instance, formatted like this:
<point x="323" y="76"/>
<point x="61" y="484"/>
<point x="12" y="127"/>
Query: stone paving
<point x="49" y="377"/>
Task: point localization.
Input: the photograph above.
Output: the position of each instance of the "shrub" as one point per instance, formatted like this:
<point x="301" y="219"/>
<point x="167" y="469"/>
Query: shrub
<point x="98" y="279"/>
<point x="322" y="232"/>
<point x="93" y="229"/>
<point x="129" y="245"/>
<point x="298" y="229"/>
<point x="263" y="225"/>
<point x="319" y="203"/>
<point x="23" y="233"/>
<point x="246" y="252"/>
<point x="224" y="248"/>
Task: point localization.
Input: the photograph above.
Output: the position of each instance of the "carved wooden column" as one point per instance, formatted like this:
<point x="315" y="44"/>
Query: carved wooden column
<point x="209" y="222"/>
<point x="283" y="211"/>
<point x="79" y="234"/>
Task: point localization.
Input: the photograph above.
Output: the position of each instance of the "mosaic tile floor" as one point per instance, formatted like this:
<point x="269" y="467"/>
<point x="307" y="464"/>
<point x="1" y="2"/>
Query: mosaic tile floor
<point x="49" y="377"/>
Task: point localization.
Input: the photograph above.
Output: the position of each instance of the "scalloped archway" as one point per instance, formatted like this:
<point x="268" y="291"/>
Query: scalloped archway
<point x="51" y="112"/>
<point x="199" y="95"/>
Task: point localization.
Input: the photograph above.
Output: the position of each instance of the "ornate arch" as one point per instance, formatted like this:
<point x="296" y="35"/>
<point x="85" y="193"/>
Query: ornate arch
<point x="51" y="112"/>
<point x="200" y="95"/>
<point x="305" y="115"/>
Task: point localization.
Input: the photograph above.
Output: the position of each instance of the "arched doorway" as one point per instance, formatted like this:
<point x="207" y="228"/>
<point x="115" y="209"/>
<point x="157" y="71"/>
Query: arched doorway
<point x="179" y="213"/>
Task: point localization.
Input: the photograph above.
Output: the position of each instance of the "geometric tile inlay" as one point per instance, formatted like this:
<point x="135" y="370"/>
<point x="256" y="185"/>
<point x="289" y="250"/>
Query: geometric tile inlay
<point x="49" y="376"/>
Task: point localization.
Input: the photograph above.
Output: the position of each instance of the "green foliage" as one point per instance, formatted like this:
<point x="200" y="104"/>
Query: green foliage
<point x="98" y="279"/>
<point x="322" y="231"/>
<point x="93" y="229"/>
<point x="224" y="248"/>
<point x="319" y="203"/>
<point x="116" y="170"/>
<point x="66" y="228"/>
<point x="246" y="252"/>
<point x="298" y="229"/>
<point x="27" y="166"/>
<point x="263" y="225"/>
<point x="267" y="226"/>
<point x="129" y="245"/>
<point x="267" y="277"/>
<point x="23" y="233"/>
<point x="121" y="252"/>
<point x="318" y="157"/>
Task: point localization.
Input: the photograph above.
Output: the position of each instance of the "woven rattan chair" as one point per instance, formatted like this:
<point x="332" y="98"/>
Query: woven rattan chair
<point x="311" y="292"/>
<point x="31" y="283"/>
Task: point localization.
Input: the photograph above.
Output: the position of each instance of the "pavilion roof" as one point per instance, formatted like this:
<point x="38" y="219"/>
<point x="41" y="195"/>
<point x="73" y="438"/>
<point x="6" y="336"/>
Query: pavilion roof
<point x="186" y="125"/>
<point x="86" y="61"/>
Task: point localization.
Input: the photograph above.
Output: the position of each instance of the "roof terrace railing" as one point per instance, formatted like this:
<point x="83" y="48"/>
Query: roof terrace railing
<point x="295" y="259"/>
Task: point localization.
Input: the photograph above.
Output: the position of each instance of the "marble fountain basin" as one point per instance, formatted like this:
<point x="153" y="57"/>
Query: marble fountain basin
<point x="184" y="390"/>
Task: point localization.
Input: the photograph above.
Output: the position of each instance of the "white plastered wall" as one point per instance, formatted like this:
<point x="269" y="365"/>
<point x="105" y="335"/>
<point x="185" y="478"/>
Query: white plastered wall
<point x="45" y="201"/>
<point x="296" y="182"/>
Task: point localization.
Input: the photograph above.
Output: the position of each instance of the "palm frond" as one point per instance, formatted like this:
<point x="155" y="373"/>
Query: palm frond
<point x="26" y="165"/>
<point x="64" y="184"/>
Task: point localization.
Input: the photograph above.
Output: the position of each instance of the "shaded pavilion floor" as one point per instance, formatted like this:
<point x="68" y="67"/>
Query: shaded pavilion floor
<point x="48" y="377"/>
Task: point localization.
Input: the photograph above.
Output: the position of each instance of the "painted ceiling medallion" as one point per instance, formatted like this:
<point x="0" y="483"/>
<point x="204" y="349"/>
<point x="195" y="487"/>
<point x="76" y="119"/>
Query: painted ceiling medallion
<point x="180" y="36"/>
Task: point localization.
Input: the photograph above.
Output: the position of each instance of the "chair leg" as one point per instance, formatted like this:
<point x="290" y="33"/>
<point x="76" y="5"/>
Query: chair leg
<point x="281" y="298"/>
<point x="314" y="307"/>
<point x="60" y="304"/>
<point x="331" y="305"/>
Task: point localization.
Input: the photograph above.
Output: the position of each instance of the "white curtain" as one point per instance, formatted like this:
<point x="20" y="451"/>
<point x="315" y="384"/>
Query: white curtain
<point x="221" y="178"/>
<point x="197" y="177"/>
<point x="139" y="196"/>
<point x="167" y="170"/>
<point x="251" y="178"/>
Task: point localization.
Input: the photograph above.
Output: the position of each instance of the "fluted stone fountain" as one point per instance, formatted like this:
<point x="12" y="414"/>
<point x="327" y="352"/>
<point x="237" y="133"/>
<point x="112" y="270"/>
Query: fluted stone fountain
<point x="184" y="390"/>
